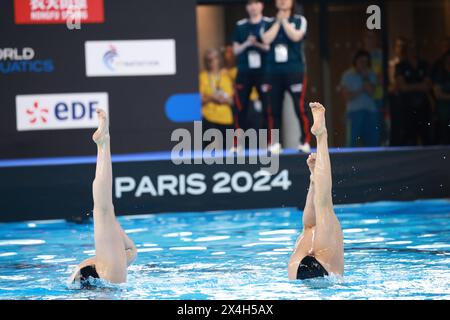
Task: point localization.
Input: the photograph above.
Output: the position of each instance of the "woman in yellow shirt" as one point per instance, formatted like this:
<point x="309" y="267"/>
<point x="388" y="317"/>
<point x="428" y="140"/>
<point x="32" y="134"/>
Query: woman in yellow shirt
<point x="216" y="89"/>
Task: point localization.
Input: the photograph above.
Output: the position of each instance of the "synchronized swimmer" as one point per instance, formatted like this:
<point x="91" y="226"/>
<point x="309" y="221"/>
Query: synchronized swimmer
<point x="318" y="251"/>
<point x="114" y="250"/>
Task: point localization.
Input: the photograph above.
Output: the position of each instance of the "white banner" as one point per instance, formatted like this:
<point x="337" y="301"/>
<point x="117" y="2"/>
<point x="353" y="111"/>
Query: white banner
<point x="59" y="111"/>
<point x="130" y="58"/>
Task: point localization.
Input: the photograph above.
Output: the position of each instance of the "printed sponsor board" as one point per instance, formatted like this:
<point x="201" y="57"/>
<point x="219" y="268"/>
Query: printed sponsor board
<point x="59" y="111"/>
<point x="58" y="11"/>
<point x="130" y="58"/>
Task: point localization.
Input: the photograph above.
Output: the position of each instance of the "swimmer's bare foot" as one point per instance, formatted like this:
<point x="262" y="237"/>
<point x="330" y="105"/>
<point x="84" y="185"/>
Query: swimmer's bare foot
<point x="311" y="162"/>
<point x="318" y="112"/>
<point x="102" y="133"/>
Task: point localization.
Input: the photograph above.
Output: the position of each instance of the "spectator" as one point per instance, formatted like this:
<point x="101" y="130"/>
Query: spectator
<point x="371" y="45"/>
<point x="442" y="93"/>
<point x="216" y="89"/>
<point x="438" y="65"/>
<point x="376" y="58"/>
<point x="250" y="52"/>
<point x="253" y="115"/>
<point x="412" y="79"/>
<point x="229" y="61"/>
<point x="358" y="85"/>
<point x="396" y="106"/>
<point x="400" y="52"/>
<point x="286" y="68"/>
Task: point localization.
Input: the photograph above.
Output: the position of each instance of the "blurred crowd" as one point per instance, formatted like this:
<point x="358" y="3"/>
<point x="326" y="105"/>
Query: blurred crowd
<point x="244" y="84"/>
<point x="416" y="107"/>
<point x="419" y="96"/>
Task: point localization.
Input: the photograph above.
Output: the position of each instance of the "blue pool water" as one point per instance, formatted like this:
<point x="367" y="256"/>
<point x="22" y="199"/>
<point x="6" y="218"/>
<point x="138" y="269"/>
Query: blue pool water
<point x="392" y="251"/>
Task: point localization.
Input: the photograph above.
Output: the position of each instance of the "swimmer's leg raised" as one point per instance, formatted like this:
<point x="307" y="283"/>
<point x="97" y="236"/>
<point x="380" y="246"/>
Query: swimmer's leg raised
<point x="322" y="168"/>
<point x="327" y="242"/>
<point x="130" y="248"/>
<point x="102" y="185"/>
<point x="303" y="245"/>
<point x="309" y="212"/>
<point x="111" y="260"/>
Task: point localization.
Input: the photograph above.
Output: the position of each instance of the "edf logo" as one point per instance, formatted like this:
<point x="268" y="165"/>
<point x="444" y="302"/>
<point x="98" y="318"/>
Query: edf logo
<point x="59" y="111"/>
<point x="75" y="110"/>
